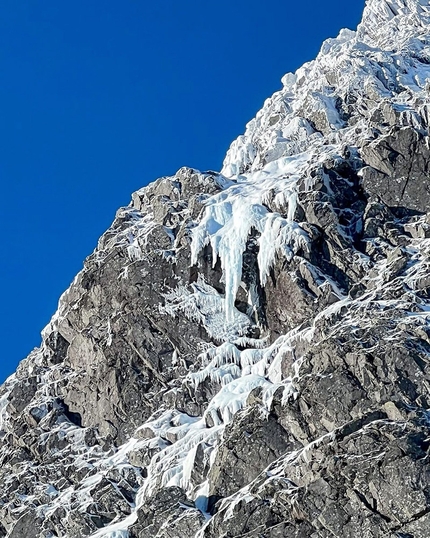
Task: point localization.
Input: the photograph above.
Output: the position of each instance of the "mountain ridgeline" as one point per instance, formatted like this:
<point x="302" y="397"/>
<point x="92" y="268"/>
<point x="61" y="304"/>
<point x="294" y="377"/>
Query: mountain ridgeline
<point x="246" y="353"/>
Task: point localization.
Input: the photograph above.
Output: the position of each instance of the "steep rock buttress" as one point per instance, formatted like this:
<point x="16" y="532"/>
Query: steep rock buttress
<point x="246" y="353"/>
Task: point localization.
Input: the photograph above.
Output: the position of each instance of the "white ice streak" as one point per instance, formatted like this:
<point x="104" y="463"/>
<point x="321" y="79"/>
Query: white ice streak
<point x="172" y="466"/>
<point x="231" y="398"/>
<point x="4" y="400"/>
<point x="231" y="216"/>
<point x="222" y="367"/>
<point x="3" y="404"/>
<point x="137" y="237"/>
<point x="254" y="368"/>
<point x="202" y="303"/>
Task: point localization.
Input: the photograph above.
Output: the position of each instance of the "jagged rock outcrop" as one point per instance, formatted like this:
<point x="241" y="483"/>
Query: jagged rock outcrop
<point x="246" y="353"/>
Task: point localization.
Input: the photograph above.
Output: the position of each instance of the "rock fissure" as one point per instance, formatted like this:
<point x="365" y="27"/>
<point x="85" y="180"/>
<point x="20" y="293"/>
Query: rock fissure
<point x="372" y="506"/>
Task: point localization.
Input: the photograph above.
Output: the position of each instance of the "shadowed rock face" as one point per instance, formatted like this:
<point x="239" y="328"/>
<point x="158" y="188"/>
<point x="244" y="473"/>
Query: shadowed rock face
<point x="246" y="353"/>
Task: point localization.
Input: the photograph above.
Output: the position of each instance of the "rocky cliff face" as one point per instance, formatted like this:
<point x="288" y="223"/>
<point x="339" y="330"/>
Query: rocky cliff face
<point x="246" y="353"/>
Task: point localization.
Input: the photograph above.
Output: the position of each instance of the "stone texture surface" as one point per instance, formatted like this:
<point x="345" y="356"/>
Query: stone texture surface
<point x="146" y="412"/>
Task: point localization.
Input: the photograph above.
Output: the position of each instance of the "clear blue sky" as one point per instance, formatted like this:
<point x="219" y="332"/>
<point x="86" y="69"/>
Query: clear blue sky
<point x="99" y="98"/>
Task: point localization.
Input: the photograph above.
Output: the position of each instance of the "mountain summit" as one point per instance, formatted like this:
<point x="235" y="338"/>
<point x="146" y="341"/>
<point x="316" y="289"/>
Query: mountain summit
<point x="246" y="353"/>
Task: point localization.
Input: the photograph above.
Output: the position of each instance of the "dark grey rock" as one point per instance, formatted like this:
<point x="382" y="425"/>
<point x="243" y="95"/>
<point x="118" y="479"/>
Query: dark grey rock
<point x="251" y="442"/>
<point x="398" y="168"/>
<point x="27" y="525"/>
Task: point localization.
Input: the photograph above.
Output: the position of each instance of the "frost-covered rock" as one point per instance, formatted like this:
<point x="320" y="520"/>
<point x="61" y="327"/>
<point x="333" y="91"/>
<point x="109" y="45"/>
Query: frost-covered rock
<point x="246" y="353"/>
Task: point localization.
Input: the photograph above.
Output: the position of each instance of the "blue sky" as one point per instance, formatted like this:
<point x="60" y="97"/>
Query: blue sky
<point x="99" y="98"/>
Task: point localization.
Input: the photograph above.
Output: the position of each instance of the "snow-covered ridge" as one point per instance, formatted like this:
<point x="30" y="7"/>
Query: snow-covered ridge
<point x="331" y="98"/>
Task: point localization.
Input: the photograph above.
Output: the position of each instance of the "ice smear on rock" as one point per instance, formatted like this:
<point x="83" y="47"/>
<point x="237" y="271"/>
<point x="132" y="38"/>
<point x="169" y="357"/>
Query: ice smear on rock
<point x="232" y="398"/>
<point x="205" y="305"/>
<point x="230" y="217"/>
